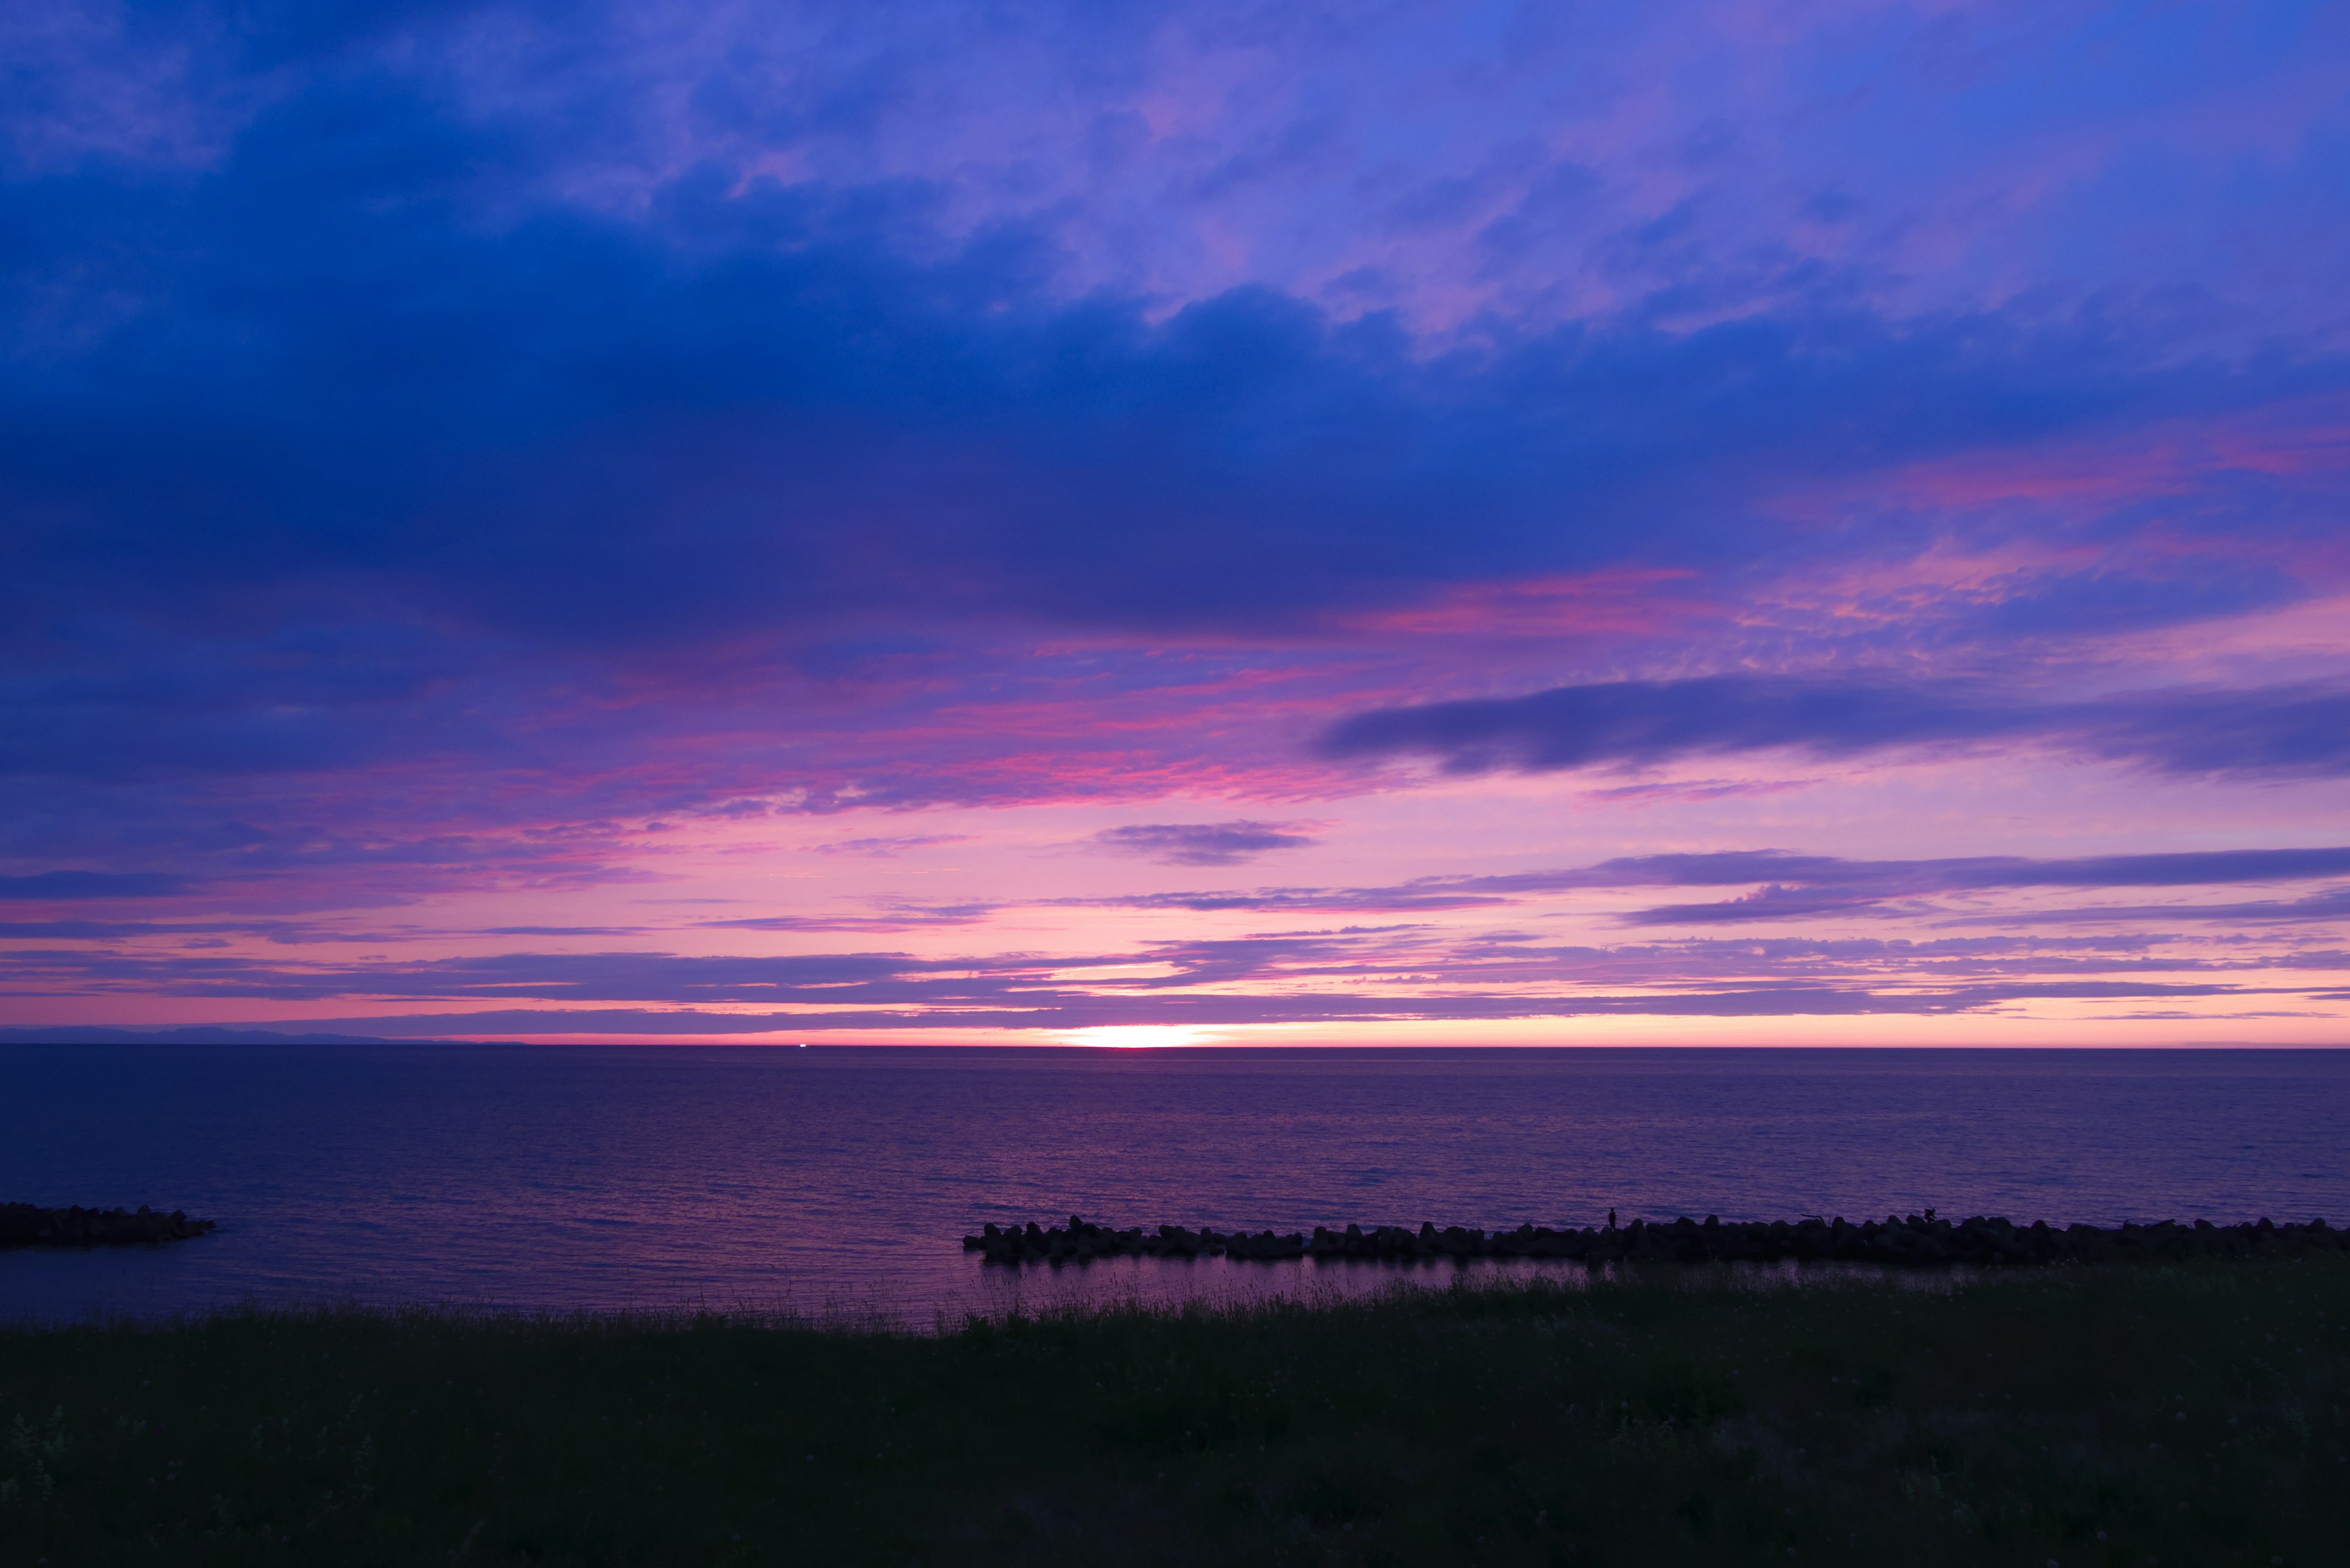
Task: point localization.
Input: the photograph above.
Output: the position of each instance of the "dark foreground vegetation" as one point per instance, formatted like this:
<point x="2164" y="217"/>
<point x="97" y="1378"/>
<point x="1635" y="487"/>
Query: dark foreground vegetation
<point x="2190" y="1414"/>
<point x="1899" y="1241"/>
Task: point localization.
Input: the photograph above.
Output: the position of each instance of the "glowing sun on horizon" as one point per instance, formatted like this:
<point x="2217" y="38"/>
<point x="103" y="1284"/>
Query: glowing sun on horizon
<point x="1137" y="1036"/>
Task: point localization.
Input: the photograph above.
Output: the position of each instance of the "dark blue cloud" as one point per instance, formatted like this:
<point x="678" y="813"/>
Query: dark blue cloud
<point x="1788" y="886"/>
<point x="2189" y="868"/>
<point x="2278" y="731"/>
<point x="1203" y="843"/>
<point x="61" y="886"/>
<point x="1825" y="886"/>
<point x="1773" y="902"/>
<point x="200" y="1036"/>
<point x="2329" y="907"/>
<point x="2267" y="732"/>
<point x="1651" y="722"/>
<point x="366" y="342"/>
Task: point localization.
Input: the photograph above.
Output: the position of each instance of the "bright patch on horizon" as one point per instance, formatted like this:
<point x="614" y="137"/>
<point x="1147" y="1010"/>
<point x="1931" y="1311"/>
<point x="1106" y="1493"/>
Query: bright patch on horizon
<point x="1138" y="1037"/>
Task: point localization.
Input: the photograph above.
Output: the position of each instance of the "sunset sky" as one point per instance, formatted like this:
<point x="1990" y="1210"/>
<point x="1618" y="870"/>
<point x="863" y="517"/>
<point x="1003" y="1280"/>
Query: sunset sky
<point x="1567" y="523"/>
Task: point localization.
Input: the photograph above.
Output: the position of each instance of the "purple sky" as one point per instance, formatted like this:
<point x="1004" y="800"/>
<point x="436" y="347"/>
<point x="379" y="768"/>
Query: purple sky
<point x="1761" y="521"/>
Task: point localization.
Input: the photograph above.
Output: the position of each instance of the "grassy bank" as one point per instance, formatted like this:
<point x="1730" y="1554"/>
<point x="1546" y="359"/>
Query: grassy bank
<point x="2198" y="1415"/>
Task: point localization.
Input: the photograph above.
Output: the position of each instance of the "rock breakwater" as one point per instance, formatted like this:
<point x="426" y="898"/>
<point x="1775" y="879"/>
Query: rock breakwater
<point x="1906" y="1240"/>
<point x="24" y="1225"/>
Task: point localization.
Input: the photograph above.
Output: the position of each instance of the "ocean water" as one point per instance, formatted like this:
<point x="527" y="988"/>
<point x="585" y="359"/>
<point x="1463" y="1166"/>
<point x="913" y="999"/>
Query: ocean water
<point x="832" y="1180"/>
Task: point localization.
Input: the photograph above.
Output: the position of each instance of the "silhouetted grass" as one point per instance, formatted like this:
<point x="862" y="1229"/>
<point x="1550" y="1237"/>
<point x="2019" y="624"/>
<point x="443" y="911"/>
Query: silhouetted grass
<point x="2194" y="1415"/>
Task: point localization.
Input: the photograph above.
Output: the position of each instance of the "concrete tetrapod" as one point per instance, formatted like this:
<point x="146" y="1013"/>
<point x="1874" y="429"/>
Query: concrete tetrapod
<point x="1909" y="1241"/>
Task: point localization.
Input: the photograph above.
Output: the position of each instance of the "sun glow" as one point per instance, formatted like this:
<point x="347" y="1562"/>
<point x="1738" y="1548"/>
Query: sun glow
<point x="1138" y="1037"/>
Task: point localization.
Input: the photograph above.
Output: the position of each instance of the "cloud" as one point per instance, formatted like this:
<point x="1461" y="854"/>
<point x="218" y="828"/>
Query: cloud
<point x="198" y="1036"/>
<point x="64" y="885"/>
<point x="2318" y="909"/>
<point x="1203" y="842"/>
<point x="1820" y="885"/>
<point x="1435" y="894"/>
<point x="1064" y="1010"/>
<point x="1377" y="972"/>
<point x="1723" y="868"/>
<point x="1774" y="902"/>
<point x="1789" y="884"/>
<point x="892" y="917"/>
<point x="885" y="849"/>
<point x="562" y="932"/>
<point x="2274" y="733"/>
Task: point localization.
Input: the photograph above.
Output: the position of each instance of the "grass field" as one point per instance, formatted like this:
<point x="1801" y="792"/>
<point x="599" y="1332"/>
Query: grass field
<point x="2185" y="1415"/>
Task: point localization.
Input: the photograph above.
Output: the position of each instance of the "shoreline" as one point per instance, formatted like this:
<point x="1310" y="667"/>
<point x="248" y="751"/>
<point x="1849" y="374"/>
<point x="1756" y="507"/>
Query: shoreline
<point x="1104" y="1286"/>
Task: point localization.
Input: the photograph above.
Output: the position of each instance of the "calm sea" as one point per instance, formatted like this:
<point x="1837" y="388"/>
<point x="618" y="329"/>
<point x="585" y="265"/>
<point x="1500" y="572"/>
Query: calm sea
<point x="841" y="1180"/>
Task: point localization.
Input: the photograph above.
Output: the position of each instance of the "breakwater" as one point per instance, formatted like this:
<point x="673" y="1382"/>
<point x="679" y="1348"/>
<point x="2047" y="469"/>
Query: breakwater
<point x="1910" y="1240"/>
<point x="26" y="1225"/>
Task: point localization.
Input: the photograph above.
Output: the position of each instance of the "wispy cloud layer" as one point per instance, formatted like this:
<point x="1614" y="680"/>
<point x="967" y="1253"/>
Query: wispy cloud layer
<point x="2261" y="732"/>
<point x="1194" y="984"/>
<point x="1786" y="884"/>
<point x="1420" y="972"/>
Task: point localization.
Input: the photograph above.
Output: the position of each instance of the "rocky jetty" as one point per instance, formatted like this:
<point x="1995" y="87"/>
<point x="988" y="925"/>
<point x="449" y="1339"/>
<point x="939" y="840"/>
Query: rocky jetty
<point x="23" y="1225"/>
<point x="1906" y="1240"/>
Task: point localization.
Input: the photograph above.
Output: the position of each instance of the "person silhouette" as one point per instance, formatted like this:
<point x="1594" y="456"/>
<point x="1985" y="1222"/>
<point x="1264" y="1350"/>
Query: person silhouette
<point x="1611" y="1219"/>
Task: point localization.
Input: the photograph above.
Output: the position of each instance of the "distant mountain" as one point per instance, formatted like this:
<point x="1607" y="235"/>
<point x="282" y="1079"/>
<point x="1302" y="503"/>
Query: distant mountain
<point x="92" y="1036"/>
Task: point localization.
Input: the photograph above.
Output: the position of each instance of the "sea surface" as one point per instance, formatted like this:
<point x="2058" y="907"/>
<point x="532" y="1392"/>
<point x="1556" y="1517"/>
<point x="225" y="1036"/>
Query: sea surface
<point x="839" y="1181"/>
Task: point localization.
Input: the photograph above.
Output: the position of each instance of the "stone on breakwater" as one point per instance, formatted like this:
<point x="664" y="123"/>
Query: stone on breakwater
<point x="26" y="1225"/>
<point x="1910" y="1242"/>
